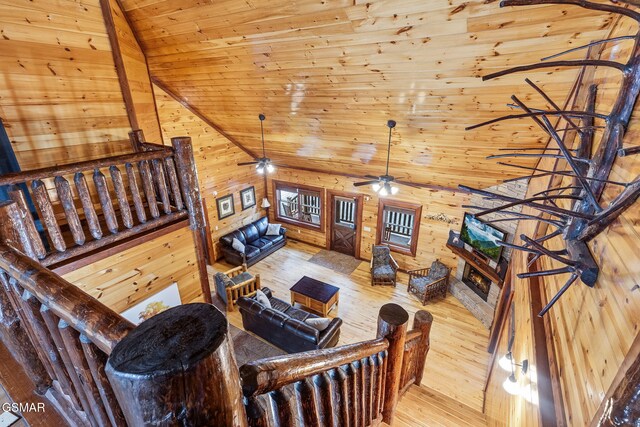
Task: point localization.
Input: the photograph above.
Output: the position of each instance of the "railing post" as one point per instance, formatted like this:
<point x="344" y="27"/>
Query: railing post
<point x="178" y="368"/>
<point x="13" y="229"/>
<point x="422" y="321"/>
<point x="190" y="187"/>
<point x="392" y="325"/>
<point x="136" y="137"/>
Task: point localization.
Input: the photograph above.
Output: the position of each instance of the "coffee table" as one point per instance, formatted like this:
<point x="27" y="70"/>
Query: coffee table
<point x="314" y="294"/>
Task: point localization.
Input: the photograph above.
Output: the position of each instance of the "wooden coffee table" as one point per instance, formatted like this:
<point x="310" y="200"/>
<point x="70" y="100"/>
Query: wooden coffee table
<point x="314" y="294"/>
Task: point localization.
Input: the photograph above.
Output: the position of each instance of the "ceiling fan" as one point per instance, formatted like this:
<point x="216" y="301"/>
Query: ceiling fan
<point x="383" y="184"/>
<point x="262" y="163"/>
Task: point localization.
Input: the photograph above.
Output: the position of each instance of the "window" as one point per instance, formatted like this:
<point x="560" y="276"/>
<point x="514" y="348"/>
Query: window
<point x="300" y="205"/>
<point x="398" y="225"/>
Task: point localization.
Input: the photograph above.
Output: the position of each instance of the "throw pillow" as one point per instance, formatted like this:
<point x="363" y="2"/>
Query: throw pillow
<point x="262" y="298"/>
<point x="273" y="229"/>
<point x="237" y="245"/>
<point x="320" y="323"/>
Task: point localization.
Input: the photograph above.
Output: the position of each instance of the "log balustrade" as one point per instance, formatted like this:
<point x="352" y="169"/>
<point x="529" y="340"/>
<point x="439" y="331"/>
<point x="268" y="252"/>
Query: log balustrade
<point x="83" y="207"/>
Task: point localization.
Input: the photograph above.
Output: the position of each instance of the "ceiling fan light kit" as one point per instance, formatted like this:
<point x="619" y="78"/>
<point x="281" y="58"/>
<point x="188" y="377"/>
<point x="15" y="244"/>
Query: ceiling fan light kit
<point x="263" y="164"/>
<point x="383" y="184"/>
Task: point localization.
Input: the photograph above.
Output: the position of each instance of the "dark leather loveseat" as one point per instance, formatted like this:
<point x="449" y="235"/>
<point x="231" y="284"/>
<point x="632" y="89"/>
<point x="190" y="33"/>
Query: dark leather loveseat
<point x="257" y="244"/>
<point x="284" y="326"/>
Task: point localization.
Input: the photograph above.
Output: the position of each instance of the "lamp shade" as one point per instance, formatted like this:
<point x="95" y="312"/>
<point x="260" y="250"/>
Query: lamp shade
<point x="265" y="203"/>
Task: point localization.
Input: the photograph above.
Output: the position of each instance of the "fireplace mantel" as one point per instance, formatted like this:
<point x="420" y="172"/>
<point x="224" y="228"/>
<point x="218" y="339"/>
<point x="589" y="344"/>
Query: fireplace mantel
<point x="477" y="263"/>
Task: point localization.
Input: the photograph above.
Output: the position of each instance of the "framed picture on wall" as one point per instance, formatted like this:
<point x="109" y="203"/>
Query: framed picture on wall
<point x="248" y="197"/>
<point x="225" y="206"/>
<point x="155" y="304"/>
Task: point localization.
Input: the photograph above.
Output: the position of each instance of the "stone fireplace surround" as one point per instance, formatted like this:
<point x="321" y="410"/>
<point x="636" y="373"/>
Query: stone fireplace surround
<point x="482" y="310"/>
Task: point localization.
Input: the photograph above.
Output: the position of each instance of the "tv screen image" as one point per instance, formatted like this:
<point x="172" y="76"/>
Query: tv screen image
<point x="482" y="237"/>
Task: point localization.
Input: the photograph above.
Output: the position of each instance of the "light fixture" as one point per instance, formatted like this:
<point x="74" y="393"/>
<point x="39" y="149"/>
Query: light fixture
<point x="263" y="164"/>
<point x="376" y="187"/>
<point x="383" y="185"/>
<point x="270" y="168"/>
<point x="507" y="362"/>
<point x="265" y="203"/>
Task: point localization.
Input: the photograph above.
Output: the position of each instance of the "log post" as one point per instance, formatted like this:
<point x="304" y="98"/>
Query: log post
<point x="13" y="229"/>
<point x="136" y="137"/>
<point x="190" y="187"/>
<point x="178" y="368"/>
<point x="422" y="321"/>
<point x="392" y="325"/>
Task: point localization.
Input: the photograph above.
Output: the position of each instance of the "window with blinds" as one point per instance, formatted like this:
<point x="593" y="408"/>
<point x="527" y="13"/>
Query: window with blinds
<point x="398" y="224"/>
<point x="299" y="205"/>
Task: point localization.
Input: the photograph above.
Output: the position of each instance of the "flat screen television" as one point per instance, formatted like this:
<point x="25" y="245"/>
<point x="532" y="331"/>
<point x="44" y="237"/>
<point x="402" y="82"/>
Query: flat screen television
<point x="482" y="237"/>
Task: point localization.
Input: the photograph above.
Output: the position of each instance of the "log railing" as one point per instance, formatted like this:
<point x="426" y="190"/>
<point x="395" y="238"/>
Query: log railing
<point x="416" y="348"/>
<point x="85" y="206"/>
<point x="62" y="337"/>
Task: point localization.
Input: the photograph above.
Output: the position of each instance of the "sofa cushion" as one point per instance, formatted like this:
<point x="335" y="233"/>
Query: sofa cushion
<point x="279" y="305"/>
<point x="262" y="243"/>
<point x="438" y="270"/>
<point x="251" y="251"/>
<point x="262" y="299"/>
<point x="274" y="316"/>
<point x="384" y="272"/>
<point x="320" y="323"/>
<point x="223" y="281"/>
<point x="296" y="313"/>
<point x="273" y="229"/>
<point x="238" y="245"/>
<point x="274" y="239"/>
<point x="250" y="233"/>
<point x="261" y="225"/>
<point x="227" y="239"/>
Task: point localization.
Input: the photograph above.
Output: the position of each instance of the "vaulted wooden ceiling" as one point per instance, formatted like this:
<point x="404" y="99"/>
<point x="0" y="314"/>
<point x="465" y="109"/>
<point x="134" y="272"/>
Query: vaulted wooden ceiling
<point x="328" y="74"/>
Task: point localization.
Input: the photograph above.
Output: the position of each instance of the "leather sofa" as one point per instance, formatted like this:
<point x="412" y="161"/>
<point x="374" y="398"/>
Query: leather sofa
<point x="257" y="244"/>
<point x="283" y="325"/>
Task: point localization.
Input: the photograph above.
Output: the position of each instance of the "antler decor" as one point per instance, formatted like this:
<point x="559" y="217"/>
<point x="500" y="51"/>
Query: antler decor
<point x="586" y="217"/>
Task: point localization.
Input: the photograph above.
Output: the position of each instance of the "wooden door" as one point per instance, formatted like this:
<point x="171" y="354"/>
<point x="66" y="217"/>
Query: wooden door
<point x="345" y="224"/>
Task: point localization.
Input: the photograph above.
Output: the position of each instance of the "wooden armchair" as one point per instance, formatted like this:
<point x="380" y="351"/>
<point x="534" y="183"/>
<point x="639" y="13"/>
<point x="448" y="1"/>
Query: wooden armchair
<point x="384" y="268"/>
<point x="236" y="283"/>
<point x="428" y="283"/>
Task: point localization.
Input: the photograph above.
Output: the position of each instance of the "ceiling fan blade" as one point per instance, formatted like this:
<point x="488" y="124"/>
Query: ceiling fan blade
<point x="359" y="184"/>
<point x="248" y="163"/>
<point x="408" y="184"/>
<point x="372" y="177"/>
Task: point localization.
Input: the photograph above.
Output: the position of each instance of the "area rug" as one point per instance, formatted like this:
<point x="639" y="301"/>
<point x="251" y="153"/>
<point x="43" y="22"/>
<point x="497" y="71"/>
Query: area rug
<point x="248" y="347"/>
<point x="336" y="261"/>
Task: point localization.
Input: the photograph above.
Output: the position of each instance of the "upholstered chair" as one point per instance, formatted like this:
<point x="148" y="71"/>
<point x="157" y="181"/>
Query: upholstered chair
<point x="235" y="283"/>
<point x="429" y="283"/>
<point x="383" y="267"/>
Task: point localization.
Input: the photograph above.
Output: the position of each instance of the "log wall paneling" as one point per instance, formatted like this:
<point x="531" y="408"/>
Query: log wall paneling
<point x="330" y="74"/>
<point x="433" y="234"/>
<point x="59" y="92"/>
<point x="216" y="159"/>
<point x="124" y="279"/>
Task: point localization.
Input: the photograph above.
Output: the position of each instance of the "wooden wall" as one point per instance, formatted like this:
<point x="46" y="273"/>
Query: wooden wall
<point x="432" y="236"/>
<point x="60" y="99"/>
<point x="216" y="160"/>
<point x="124" y="279"/>
<point x="592" y="329"/>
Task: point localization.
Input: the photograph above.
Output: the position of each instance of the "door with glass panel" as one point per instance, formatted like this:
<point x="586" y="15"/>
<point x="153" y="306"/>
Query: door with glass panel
<point x="344" y="224"/>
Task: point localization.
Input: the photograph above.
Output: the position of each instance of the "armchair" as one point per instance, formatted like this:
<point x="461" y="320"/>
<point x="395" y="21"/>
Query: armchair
<point x="384" y="268"/>
<point x="428" y="283"/>
<point x="236" y="283"/>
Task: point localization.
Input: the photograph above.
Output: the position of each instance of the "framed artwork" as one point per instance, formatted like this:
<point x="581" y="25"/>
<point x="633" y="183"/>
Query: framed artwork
<point x="155" y="304"/>
<point x="248" y="197"/>
<point x="225" y="206"/>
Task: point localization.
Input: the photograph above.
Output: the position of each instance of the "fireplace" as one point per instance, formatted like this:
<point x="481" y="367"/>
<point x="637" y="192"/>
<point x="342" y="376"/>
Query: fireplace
<point x="476" y="281"/>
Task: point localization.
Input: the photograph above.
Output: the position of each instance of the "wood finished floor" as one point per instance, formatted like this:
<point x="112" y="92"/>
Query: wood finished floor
<point x="452" y="387"/>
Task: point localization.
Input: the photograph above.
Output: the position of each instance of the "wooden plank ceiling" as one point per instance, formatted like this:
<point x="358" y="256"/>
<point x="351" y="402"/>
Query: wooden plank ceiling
<point x="328" y="74"/>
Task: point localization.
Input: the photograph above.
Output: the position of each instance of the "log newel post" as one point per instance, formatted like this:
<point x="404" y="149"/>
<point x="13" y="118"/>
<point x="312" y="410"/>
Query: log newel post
<point x="178" y="368"/>
<point x="13" y="229"/>
<point x="392" y="325"/>
<point x="422" y="321"/>
<point x="136" y="137"/>
<point x="185" y="163"/>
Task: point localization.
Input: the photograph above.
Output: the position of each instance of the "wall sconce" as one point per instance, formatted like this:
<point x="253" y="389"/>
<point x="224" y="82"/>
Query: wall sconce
<point x="265" y="203"/>
<point x="507" y="363"/>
